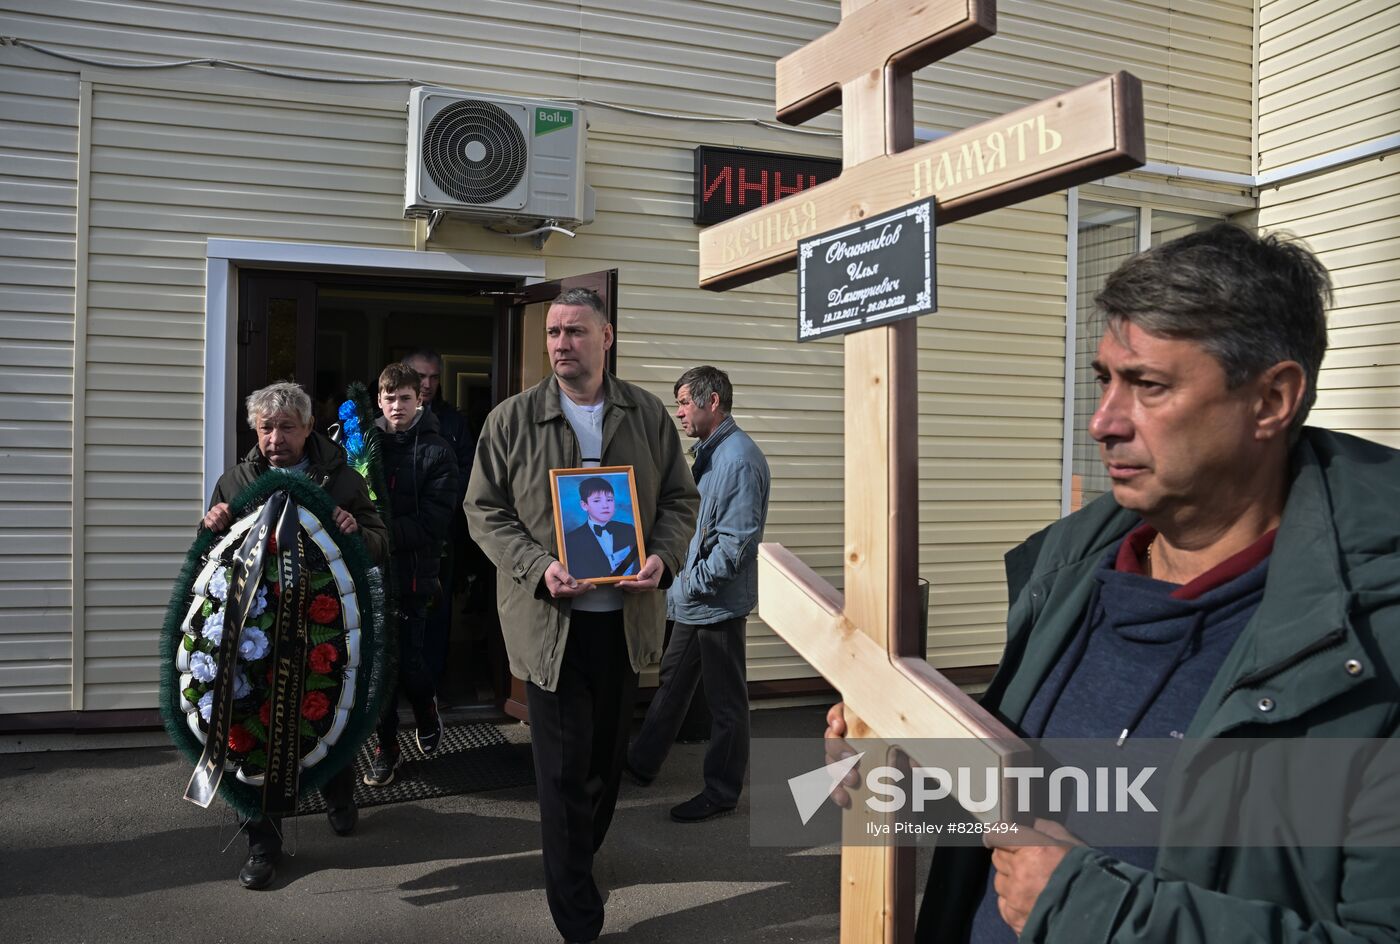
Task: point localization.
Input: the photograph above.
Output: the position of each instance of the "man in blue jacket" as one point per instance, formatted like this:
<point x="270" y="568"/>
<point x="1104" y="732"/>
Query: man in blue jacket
<point x="710" y="600"/>
<point x="1242" y="580"/>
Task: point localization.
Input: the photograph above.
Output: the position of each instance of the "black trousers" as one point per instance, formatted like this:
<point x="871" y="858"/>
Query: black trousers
<point x="716" y="652"/>
<point x="579" y="737"/>
<point x="415" y="678"/>
<point x="438" y="627"/>
<point x="265" y="832"/>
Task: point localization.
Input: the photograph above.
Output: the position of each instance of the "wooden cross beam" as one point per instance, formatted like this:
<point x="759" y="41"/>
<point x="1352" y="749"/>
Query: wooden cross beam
<point x="866" y="643"/>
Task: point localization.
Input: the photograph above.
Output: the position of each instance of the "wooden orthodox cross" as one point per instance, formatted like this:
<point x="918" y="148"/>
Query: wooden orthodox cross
<point x="867" y="644"/>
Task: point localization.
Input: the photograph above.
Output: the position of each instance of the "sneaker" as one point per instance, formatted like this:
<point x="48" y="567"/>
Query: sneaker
<point x="259" y="871"/>
<point x="381" y="769"/>
<point x="429" y="733"/>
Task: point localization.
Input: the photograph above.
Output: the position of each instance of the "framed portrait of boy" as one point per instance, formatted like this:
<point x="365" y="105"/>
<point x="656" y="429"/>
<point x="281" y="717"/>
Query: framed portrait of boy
<point x="595" y="523"/>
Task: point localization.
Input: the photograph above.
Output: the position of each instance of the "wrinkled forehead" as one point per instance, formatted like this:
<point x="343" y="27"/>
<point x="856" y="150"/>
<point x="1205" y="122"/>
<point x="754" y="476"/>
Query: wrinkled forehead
<point x="282" y="419"/>
<point x="424" y="367"/>
<point x="562" y="315"/>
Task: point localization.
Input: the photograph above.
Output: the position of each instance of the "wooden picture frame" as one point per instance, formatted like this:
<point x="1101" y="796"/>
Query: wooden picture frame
<point x="586" y="556"/>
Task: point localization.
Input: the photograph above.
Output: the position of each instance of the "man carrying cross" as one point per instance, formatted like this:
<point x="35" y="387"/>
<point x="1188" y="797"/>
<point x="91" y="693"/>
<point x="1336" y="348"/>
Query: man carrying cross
<point x="1241" y="580"/>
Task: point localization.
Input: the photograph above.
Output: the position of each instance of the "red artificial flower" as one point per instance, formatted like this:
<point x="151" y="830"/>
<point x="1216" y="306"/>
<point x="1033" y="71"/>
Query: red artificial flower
<point x="271" y="544"/>
<point x="265" y="713"/>
<point x="315" y="706"/>
<point x="322" y="658"/>
<point x="239" y="740"/>
<point x="269" y="675"/>
<point x="324" y="609"/>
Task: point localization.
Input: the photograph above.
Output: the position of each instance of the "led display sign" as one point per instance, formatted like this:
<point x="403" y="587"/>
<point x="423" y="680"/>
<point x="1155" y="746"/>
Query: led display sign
<point x="731" y="181"/>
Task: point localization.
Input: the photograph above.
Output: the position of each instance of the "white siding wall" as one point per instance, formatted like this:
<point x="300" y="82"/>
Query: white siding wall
<point x="38" y="200"/>
<point x="1351" y="219"/>
<point x="1327" y="76"/>
<point x="184" y="155"/>
<point x="1194" y="58"/>
<point x="1328" y="81"/>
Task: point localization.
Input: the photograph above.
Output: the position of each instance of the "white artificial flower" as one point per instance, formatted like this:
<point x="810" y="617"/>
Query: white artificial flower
<point x="206" y="705"/>
<point x="241" y="686"/>
<point x="213" y="629"/>
<point x="252" y="645"/>
<point x="218" y="584"/>
<point x="259" y="604"/>
<point x="203" y="667"/>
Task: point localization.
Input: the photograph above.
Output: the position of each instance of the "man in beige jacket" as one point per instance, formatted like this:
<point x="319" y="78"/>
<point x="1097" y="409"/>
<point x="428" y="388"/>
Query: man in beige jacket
<point x="579" y="647"/>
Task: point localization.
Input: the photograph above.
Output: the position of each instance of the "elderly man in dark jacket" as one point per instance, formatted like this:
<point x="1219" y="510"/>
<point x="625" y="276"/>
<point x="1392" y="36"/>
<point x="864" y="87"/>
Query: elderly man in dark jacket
<point x="281" y="416"/>
<point x="422" y="475"/>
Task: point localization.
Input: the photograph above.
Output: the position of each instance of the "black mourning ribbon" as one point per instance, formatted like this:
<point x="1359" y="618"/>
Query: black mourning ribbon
<point x="289" y="649"/>
<point x="627" y="563"/>
<point x="243" y="589"/>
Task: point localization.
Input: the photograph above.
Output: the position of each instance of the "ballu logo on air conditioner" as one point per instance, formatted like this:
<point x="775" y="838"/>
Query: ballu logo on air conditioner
<point x="552" y="119"/>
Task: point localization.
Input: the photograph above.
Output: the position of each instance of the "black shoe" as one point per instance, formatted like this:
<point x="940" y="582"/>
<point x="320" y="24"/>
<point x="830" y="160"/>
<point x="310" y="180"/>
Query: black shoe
<point x="697" y="809"/>
<point x="636" y="776"/>
<point x="258" y="871"/>
<point x="381" y="769"/>
<point x="343" y="820"/>
<point x="429" y="733"/>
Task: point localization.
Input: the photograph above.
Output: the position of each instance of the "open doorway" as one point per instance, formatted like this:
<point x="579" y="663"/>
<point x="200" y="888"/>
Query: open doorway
<point x="327" y="329"/>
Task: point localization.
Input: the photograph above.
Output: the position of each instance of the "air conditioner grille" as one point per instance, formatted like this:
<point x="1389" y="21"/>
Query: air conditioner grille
<point x="474" y="151"/>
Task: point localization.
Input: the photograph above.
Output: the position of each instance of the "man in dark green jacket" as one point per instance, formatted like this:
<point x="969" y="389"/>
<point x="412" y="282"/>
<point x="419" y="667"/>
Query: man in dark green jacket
<point x="1241" y="581"/>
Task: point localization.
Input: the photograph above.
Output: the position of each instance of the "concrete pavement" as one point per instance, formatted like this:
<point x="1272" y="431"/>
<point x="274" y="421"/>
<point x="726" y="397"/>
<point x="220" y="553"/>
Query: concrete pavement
<point x="98" y="846"/>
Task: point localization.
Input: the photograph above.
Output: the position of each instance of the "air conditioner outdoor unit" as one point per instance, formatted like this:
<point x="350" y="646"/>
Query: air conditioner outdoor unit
<point x="495" y="159"/>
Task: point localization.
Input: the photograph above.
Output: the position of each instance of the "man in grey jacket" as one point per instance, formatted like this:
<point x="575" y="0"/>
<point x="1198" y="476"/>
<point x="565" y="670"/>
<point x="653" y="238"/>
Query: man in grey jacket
<point x="578" y="646"/>
<point x="710" y="600"/>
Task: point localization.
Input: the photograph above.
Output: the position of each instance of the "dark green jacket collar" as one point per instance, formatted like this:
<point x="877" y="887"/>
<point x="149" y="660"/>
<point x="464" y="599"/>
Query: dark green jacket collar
<point x="1306" y="602"/>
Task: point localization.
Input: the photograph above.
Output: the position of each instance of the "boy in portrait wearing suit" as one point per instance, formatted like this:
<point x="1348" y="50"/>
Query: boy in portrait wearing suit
<point x="600" y="547"/>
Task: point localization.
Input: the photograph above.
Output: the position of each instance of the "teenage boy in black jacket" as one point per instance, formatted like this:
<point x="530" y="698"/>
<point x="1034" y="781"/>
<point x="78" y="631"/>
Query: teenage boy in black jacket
<point x="422" y="476"/>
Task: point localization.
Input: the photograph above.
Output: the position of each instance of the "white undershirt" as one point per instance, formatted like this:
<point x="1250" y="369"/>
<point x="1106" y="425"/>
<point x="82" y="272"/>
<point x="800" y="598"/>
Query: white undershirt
<point x="587" y="423"/>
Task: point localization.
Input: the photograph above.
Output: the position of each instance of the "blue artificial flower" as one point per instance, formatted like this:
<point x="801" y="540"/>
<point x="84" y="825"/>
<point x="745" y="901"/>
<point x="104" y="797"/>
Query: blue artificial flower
<point x="203" y="667"/>
<point x="352" y="425"/>
<point x="347" y="410"/>
<point x="241" y="686"/>
<point x="218" y="584"/>
<point x="252" y="645"/>
<point x="206" y="705"/>
<point x="259" y="604"/>
<point x="213" y="628"/>
<point x="355" y="443"/>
